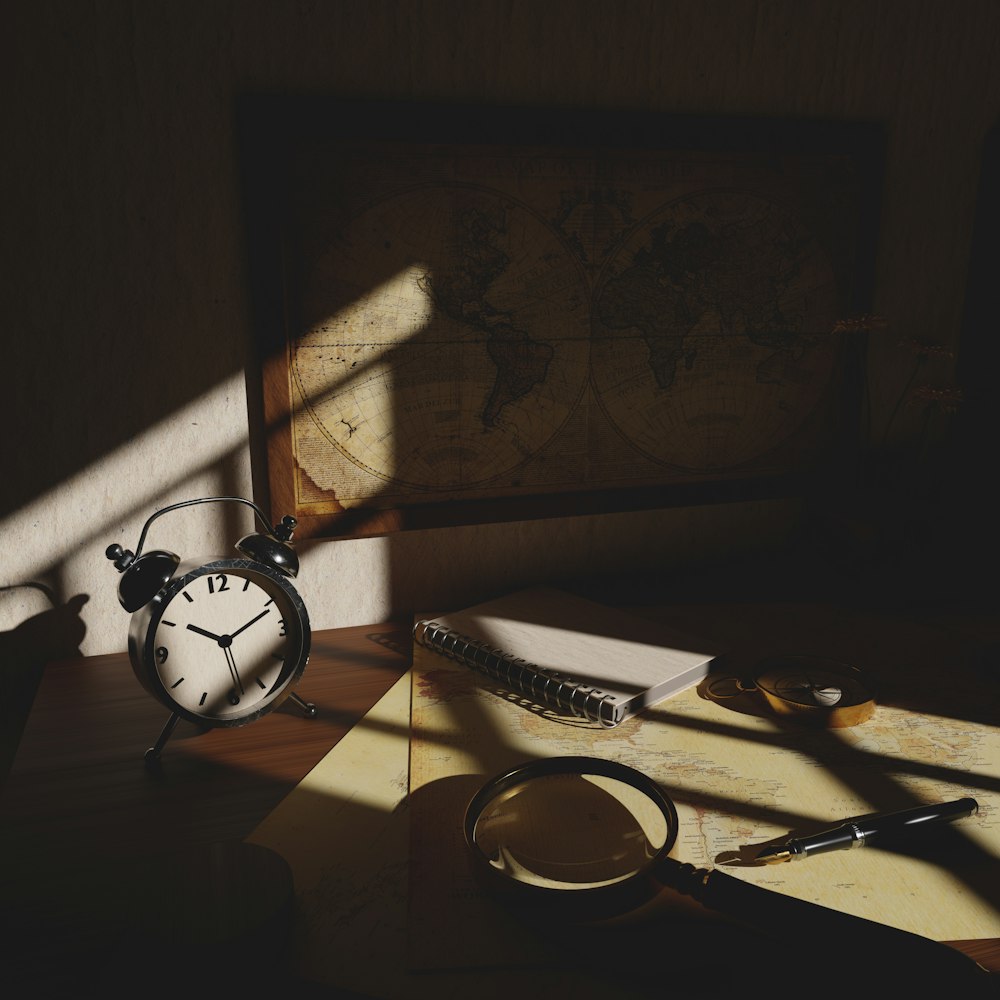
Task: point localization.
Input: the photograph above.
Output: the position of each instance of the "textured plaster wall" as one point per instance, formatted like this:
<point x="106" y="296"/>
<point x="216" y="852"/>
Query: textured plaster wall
<point x="125" y="307"/>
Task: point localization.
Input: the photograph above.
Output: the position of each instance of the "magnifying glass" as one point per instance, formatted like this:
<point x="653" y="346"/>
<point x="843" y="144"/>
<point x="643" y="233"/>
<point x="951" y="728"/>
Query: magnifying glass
<point x="580" y="835"/>
<point x="587" y="841"/>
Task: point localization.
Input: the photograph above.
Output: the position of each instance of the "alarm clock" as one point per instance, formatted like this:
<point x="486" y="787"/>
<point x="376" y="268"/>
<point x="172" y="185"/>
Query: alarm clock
<point x="219" y="642"/>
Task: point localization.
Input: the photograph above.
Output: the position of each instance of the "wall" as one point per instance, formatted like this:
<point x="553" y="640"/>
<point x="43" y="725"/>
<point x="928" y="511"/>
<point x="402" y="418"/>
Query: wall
<point x="126" y="312"/>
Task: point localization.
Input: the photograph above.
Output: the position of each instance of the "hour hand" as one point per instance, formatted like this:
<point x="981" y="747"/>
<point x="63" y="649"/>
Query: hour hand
<point x="204" y="632"/>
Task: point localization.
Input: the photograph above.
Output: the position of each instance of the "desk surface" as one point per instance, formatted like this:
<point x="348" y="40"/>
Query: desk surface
<point x="80" y="811"/>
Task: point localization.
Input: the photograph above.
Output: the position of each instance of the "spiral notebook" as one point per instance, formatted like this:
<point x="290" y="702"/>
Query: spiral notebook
<point x="570" y="655"/>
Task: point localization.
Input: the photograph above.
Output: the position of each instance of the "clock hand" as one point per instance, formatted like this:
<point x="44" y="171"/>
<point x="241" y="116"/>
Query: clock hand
<point x="232" y="668"/>
<point x="209" y="635"/>
<point x="249" y="623"/>
<point x="221" y="639"/>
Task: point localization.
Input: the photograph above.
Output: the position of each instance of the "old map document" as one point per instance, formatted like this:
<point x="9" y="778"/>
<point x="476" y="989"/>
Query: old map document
<point x="469" y="323"/>
<point x="389" y="907"/>
<point x="741" y="776"/>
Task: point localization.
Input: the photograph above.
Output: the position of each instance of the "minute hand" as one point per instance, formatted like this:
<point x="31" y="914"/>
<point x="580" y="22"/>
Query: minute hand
<point x="249" y="623"/>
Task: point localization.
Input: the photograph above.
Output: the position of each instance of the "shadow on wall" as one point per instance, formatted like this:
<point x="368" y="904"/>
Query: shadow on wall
<point x="52" y="634"/>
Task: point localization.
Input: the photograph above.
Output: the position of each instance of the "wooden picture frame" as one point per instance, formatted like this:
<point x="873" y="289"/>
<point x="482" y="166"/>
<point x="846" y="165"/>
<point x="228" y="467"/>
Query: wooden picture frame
<point x="469" y="314"/>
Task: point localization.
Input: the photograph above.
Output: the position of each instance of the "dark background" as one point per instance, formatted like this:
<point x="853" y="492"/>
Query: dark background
<point x="125" y="292"/>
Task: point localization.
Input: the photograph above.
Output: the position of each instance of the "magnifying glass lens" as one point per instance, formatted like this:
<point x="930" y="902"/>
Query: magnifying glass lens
<point x="570" y="830"/>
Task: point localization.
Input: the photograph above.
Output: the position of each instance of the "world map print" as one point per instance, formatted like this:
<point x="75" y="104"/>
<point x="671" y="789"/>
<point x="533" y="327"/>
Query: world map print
<point x="463" y="326"/>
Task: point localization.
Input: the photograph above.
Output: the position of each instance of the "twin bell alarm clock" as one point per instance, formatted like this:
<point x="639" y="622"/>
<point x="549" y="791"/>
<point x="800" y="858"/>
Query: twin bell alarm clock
<point x="220" y="642"/>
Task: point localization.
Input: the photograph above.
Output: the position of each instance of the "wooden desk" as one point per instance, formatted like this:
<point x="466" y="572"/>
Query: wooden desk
<point x="80" y="813"/>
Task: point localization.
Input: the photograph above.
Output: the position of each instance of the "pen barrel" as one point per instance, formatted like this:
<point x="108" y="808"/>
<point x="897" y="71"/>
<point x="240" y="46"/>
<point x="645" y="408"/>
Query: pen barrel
<point x="908" y="821"/>
<point x="886" y="826"/>
<point x="847" y="835"/>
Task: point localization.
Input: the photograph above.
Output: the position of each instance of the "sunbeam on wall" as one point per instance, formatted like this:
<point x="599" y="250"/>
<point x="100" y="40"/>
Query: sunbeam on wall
<point x="344" y="369"/>
<point x="59" y="539"/>
<point x="56" y="544"/>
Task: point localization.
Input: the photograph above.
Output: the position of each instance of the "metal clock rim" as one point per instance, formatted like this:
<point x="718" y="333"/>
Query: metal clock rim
<point x="154" y="610"/>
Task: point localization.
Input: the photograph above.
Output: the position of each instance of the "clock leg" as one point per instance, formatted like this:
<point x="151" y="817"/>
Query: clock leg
<point x="308" y="708"/>
<point x="152" y="755"/>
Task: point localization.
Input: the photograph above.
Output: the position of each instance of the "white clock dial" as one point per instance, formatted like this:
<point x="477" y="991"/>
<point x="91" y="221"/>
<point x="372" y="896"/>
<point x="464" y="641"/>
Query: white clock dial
<point x="225" y="643"/>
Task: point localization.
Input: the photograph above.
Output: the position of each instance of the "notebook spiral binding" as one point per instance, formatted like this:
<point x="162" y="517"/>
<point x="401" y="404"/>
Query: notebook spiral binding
<point x="544" y="687"/>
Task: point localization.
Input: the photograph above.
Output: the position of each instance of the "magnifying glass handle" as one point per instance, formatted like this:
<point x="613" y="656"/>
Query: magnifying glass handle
<point x="887" y="953"/>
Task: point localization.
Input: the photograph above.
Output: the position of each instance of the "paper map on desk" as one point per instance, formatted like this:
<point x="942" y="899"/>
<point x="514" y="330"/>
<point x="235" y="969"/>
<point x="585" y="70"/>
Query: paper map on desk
<point x="345" y="830"/>
<point x="737" y="780"/>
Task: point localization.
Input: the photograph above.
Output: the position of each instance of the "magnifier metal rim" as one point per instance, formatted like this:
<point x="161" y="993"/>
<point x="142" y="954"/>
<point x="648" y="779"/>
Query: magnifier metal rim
<point x="584" y="903"/>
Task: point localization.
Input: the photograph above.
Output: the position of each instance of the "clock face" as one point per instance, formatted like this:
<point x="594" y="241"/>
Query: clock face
<point x="225" y="642"/>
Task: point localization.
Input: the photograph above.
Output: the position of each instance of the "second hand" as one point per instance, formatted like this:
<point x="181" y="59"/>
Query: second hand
<point x="232" y="668"/>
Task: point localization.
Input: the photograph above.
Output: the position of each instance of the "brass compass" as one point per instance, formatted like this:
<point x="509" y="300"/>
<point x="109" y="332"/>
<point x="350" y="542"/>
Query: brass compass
<point x="828" y="692"/>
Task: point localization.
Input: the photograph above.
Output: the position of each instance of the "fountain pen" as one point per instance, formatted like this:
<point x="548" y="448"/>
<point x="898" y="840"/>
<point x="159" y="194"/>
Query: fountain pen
<point x="868" y="829"/>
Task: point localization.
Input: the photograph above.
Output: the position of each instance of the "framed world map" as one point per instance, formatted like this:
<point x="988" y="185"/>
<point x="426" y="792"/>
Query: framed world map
<point x="472" y="314"/>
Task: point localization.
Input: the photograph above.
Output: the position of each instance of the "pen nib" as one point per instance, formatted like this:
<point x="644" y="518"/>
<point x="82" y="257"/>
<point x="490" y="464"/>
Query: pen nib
<point x="773" y="855"/>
